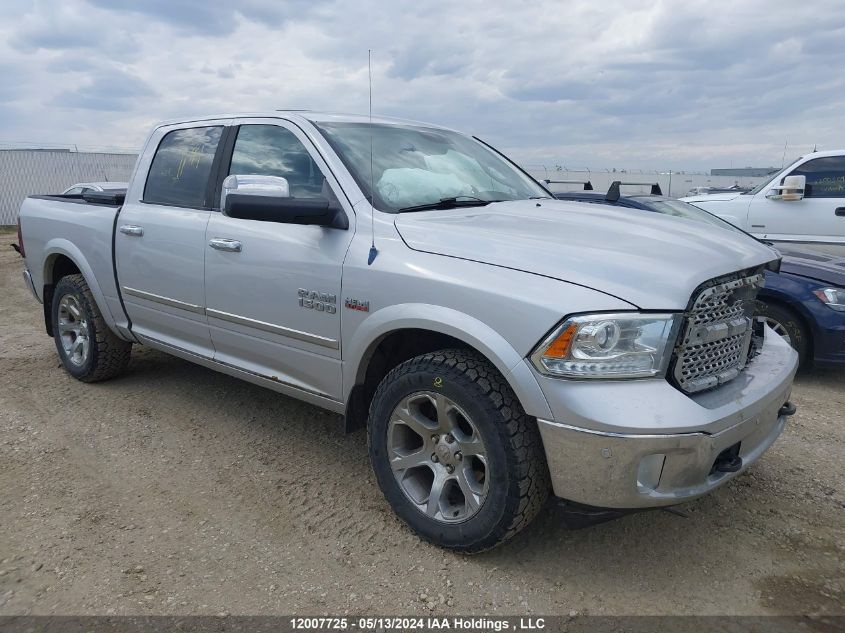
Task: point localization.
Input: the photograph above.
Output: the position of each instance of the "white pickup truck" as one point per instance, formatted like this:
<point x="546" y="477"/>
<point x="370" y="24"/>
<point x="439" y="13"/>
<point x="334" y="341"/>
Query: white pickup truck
<point x="804" y="202"/>
<point x="497" y="344"/>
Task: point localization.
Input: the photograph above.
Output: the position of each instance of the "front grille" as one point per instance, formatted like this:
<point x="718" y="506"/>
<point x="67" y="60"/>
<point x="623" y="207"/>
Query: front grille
<point x="717" y="334"/>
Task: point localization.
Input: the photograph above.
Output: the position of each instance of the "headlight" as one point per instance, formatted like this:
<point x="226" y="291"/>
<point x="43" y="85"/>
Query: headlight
<point x="833" y="297"/>
<point x="623" y="345"/>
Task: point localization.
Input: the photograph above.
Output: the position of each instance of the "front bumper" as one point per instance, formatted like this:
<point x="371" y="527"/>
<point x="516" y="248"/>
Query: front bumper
<point x="636" y="466"/>
<point x="27" y="277"/>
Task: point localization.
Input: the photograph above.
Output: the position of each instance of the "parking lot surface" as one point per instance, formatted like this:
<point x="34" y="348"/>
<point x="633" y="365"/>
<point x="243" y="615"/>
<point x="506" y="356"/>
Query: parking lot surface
<point x="177" y="490"/>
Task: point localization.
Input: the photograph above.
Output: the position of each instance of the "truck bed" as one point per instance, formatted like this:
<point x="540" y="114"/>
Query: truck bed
<point x="80" y="228"/>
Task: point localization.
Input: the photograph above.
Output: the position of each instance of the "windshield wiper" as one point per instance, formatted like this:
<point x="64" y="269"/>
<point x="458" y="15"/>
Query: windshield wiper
<point x="450" y="203"/>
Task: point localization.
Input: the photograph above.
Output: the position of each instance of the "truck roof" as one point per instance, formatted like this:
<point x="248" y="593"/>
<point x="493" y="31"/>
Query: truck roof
<point x="830" y="152"/>
<point x="313" y="116"/>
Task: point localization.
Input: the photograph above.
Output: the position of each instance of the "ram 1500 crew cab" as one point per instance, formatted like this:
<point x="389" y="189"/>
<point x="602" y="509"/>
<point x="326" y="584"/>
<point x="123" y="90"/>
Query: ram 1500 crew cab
<point x="497" y="344"/>
<point x="805" y="202"/>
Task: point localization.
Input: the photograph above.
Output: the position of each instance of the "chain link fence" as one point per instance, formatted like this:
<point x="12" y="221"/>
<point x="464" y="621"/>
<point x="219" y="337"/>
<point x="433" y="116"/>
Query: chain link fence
<point x="26" y="172"/>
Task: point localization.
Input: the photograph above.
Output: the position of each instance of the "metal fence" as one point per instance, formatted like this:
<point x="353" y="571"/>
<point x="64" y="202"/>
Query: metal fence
<point x="26" y="172"/>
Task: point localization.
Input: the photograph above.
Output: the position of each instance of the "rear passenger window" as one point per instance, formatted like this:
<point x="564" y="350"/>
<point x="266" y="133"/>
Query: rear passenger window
<point x="181" y="167"/>
<point x="270" y="150"/>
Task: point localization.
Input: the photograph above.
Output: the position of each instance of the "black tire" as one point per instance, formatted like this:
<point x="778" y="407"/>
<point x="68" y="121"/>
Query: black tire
<point x="518" y="474"/>
<point x="787" y="321"/>
<point x="107" y="355"/>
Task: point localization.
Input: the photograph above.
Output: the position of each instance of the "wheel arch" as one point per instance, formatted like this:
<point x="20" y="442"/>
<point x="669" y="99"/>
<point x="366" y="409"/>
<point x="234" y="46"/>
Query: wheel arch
<point x="62" y="258"/>
<point x="397" y="333"/>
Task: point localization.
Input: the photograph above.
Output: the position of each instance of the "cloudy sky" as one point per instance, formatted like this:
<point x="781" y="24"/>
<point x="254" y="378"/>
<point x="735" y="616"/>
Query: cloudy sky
<point x="689" y="84"/>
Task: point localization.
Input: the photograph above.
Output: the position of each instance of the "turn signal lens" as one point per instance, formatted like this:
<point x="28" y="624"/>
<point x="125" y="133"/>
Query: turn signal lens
<point x="559" y="348"/>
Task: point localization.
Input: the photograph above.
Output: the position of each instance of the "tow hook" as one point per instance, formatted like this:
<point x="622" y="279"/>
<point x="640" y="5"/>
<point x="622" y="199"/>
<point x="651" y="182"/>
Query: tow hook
<point x="787" y="410"/>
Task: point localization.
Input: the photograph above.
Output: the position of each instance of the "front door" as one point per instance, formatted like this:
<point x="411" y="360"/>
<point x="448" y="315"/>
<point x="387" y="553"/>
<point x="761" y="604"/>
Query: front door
<point x="160" y="242"/>
<point x="273" y="290"/>
<point x="818" y="217"/>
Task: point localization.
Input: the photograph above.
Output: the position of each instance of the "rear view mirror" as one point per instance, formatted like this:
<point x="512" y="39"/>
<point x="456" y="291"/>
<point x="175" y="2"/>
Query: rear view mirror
<point x="790" y="189"/>
<point x="267" y="199"/>
<point x="256" y="185"/>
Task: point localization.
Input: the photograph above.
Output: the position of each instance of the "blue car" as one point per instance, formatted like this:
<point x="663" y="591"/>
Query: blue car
<point x="804" y="302"/>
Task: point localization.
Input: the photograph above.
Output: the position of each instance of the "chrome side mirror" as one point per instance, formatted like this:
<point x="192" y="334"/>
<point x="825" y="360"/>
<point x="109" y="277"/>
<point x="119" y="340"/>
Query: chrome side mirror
<point x="255" y="185"/>
<point x="790" y="189"/>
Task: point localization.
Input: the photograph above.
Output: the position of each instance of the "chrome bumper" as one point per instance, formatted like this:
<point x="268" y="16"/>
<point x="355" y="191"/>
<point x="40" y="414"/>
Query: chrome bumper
<point x="27" y="277"/>
<point x="641" y="470"/>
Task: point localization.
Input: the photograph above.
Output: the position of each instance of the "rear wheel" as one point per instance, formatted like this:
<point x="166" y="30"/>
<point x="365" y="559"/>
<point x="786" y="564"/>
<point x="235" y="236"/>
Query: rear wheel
<point x="789" y="326"/>
<point x="88" y="349"/>
<point x="454" y="453"/>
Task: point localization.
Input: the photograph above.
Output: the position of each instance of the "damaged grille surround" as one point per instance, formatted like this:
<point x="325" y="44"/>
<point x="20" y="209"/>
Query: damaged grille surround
<point x="716" y="338"/>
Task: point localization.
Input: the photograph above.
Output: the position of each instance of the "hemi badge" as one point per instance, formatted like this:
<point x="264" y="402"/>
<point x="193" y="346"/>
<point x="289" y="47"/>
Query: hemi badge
<point x="355" y="304"/>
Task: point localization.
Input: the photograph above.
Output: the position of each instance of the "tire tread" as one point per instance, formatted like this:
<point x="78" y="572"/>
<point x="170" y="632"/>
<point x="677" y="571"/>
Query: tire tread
<point x="527" y="458"/>
<point x="112" y="353"/>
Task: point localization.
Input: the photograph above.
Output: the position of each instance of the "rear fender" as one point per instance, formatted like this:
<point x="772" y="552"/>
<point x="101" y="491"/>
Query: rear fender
<point x="60" y="246"/>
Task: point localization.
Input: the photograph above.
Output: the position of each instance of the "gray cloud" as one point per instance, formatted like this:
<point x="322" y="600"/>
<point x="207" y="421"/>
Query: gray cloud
<point x="111" y="90"/>
<point x="210" y="17"/>
<point x="618" y="84"/>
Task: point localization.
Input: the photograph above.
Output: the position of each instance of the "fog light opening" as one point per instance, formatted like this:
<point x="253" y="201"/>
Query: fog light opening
<point x="728" y="461"/>
<point x="649" y="472"/>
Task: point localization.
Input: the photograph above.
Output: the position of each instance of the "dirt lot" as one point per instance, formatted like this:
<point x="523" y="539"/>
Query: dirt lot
<point x="174" y="489"/>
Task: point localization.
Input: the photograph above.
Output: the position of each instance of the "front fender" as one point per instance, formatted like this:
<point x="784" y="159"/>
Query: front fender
<point x="463" y="327"/>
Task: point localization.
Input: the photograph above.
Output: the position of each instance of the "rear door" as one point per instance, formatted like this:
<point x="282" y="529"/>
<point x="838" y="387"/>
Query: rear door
<point x="160" y="241"/>
<point x="274" y="302"/>
<point x="818" y="217"/>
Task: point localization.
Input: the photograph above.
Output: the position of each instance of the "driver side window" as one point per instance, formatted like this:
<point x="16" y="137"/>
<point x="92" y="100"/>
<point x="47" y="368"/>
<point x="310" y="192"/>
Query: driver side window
<point x="270" y="150"/>
<point x="825" y="177"/>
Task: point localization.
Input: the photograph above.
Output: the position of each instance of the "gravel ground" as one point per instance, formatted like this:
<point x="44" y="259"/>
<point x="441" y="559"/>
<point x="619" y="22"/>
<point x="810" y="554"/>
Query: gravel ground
<point x="177" y="490"/>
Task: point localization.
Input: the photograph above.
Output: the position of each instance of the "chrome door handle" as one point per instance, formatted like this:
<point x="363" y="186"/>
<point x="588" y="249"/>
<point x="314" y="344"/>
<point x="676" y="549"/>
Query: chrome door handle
<point x="221" y="244"/>
<point x="129" y="229"/>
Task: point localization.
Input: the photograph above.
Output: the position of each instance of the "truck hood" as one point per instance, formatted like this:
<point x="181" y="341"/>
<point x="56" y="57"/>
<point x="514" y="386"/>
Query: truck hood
<point x="650" y="260"/>
<point x="712" y="197"/>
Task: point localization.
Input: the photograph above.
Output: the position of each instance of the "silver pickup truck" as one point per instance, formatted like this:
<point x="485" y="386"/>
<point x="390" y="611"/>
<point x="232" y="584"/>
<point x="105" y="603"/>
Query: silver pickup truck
<point x="497" y="344"/>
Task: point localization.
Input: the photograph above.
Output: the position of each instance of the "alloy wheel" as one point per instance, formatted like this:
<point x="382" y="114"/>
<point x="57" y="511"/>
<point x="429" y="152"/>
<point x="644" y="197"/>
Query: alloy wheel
<point x="778" y="329"/>
<point x="438" y="457"/>
<point x="73" y="330"/>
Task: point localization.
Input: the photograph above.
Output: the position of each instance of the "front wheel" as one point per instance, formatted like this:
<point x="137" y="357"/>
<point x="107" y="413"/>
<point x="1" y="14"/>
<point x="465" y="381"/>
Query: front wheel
<point x="89" y="350"/>
<point x="454" y="453"/>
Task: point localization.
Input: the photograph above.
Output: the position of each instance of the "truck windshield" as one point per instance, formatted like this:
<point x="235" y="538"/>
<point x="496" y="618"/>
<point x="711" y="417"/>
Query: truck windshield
<point x="414" y="168"/>
<point x="759" y="188"/>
